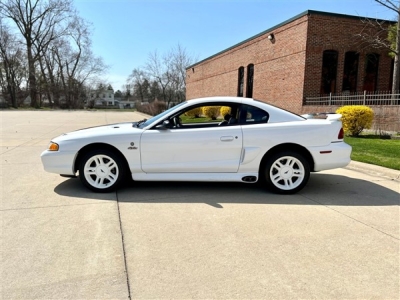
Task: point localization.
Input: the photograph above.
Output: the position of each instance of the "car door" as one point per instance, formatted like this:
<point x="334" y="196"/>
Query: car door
<point x="191" y="149"/>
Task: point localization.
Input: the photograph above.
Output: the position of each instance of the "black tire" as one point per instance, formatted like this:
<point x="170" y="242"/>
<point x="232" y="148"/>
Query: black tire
<point x="286" y="172"/>
<point x="102" y="171"/>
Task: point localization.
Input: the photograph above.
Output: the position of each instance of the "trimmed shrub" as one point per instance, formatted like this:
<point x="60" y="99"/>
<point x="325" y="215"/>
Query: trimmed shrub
<point x="194" y="113"/>
<point x="153" y="108"/>
<point x="211" y="112"/>
<point x="157" y="107"/>
<point x="225" y="110"/>
<point x="356" y="118"/>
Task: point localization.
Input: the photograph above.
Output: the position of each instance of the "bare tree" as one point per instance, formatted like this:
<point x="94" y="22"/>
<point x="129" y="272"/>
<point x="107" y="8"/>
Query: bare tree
<point x="12" y="64"/>
<point x="181" y="59"/>
<point x="169" y="71"/>
<point x="394" y="6"/>
<point x="50" y="72"/>
<point x="40" y="22"/>
<point x="140" y="83"/>
<point x="381" y="34"/>
<point x="155" y="91"/>
<point x="157" y="68"/>
<point x="68" y="63"/>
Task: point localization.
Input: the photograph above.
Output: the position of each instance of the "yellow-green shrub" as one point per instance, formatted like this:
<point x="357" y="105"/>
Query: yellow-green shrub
<point x="211" y="111"/>
<point x="194" y="113"/>
<point x="355" y="118"/>
<point x="224" y="110"/>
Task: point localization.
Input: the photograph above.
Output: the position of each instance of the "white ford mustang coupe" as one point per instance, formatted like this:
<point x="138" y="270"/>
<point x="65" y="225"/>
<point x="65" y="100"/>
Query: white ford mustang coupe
<point x="223" y="139"/>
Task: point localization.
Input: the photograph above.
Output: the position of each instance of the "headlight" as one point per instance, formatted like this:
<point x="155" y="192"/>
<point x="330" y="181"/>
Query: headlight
<point x="53" y="147"/>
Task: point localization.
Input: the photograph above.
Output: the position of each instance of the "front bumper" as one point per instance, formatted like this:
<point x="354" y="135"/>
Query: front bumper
<point x="59" y="162"/>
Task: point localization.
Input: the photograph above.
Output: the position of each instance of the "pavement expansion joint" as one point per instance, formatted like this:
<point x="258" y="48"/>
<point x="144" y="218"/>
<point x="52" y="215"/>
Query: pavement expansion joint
<point x="123" y="247"/>
<point x="51" y="206"/>
<point x="352" y="218"/>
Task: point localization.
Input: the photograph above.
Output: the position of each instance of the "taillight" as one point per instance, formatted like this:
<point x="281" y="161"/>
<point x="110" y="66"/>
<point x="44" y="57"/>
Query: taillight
<point x="341" y="134"/>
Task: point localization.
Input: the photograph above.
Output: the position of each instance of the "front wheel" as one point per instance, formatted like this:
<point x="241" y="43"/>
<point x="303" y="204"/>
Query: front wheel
<point x="101" y="170"/>
<point x="286" y="172"/>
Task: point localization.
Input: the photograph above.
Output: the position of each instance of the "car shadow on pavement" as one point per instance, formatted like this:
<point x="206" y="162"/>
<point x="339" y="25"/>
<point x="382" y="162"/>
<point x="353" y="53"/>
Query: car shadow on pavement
<point x="73" y="187"/>
<point x="322" y="189"/>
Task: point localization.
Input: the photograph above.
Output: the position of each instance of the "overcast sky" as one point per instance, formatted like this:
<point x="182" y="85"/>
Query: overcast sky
<point x="126" y="31"/>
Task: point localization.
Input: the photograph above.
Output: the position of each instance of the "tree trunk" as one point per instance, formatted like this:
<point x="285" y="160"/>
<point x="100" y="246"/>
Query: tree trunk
<point x="47" y="85"/>
<point x="32" y="78"/>
<point x="55" y="90"/>
<point x="11" y="92"/>
<point x="10" y="83"/>
<point x="396" y="68"/>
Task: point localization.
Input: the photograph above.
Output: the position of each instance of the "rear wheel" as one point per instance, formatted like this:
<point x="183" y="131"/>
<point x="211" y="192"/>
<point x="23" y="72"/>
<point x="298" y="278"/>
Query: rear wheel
<point x="101" y="170"/>
<point x="286" y="172"/>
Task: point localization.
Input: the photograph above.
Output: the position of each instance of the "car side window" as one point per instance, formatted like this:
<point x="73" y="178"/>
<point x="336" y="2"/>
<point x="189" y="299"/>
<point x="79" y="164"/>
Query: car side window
<point x="209" y="115"/>
<point x="253" y="115"/>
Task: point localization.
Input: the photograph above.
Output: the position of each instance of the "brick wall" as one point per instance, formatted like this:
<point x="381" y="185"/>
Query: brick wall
<point x="327" y="32"/>
<point x="278" y="68"/>
<point x="289" y="68"/>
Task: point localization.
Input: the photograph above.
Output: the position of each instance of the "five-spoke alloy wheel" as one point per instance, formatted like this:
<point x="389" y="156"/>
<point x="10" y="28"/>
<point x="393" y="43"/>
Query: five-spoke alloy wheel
<point x="101" y="170"/>
<point x="286" y="172"/>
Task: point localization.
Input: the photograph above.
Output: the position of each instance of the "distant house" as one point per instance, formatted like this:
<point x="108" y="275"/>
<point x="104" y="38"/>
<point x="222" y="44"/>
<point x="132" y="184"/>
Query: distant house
<point x="103" y="96"/>
<point x="125" y="103"/>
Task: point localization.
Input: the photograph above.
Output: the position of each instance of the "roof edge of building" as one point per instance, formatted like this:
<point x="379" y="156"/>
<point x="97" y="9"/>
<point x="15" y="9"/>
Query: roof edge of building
<point x="307" y="12"/>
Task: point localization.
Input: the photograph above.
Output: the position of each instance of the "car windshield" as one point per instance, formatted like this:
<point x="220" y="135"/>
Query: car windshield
<point x="160" y="116"/>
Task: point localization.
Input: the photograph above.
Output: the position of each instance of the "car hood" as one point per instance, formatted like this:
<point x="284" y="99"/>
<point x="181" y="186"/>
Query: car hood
<point x="101" y="131"/>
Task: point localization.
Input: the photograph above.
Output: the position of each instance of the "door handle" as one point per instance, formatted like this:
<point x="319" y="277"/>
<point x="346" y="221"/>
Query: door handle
<point x="226" y="138"/>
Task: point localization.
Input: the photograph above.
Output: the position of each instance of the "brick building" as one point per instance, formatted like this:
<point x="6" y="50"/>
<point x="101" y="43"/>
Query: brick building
<point x="314" y="53"/>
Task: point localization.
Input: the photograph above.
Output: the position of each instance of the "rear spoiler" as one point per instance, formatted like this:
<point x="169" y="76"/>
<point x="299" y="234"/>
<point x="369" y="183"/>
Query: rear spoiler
<point x="327" y="116"/>
<point x="333" y="117"/>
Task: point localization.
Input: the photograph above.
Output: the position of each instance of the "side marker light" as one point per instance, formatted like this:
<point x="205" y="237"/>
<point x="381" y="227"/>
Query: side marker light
<point x="53" y="147"/>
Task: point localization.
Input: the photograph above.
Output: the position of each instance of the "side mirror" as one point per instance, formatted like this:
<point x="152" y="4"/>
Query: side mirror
<point x="165" y="125"/>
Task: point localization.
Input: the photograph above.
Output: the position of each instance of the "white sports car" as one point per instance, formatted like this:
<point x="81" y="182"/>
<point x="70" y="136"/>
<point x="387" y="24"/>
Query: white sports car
<point x="208" y="139"/>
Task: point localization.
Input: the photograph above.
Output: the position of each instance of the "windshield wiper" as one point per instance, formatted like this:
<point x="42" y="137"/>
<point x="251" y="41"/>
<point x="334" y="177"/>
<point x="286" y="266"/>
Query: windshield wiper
<point x="140" y="122"/>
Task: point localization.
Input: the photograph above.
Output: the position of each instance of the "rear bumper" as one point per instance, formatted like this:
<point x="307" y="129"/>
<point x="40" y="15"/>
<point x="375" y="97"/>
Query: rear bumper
<point x="58" y="162"/>
<point x="335" y="155"/>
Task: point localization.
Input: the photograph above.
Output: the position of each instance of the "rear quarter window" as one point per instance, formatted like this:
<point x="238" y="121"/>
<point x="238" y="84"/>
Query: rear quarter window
<point x="253" y="115"/>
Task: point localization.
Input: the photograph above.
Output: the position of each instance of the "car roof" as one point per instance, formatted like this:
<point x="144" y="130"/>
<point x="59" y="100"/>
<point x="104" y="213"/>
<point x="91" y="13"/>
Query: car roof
<point x="217" y="99"/>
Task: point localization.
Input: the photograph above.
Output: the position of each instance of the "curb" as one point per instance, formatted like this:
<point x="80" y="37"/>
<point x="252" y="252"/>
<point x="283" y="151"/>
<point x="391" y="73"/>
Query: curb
<point x="374" y="170"/>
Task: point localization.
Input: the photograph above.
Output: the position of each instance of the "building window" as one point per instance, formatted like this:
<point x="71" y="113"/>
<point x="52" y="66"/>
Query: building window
<point x="240" y="81"/>
<point x="350" y="72"/>
<point x="329" y="70"/>
<point x="250" y="77"/>
<point x="371" y="72"/>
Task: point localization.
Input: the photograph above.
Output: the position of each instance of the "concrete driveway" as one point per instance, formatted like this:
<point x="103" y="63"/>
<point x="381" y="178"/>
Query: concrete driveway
<point x="337" y="239"/>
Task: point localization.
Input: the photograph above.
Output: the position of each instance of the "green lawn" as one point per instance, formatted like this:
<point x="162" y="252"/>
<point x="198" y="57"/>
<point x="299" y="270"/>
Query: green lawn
<point x="373" y="150"/>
